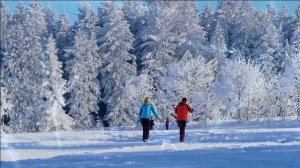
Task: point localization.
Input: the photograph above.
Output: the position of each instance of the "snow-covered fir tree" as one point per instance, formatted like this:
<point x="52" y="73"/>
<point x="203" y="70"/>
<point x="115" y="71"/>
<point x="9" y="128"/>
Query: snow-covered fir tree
<point x="246" y="31"/>
<point x="135" y="15"/>
<point x="296" y="83"/>
<point x="295" y="39"/>
<point x="157" y="48"/>
<point x="102" y="12"/>
<point x="12" y="64"/>
<point x="119" y="65"/>
<point x="83" y="67"/>
<point x="63" y="39"/>
<point x="5" y="23"/>
<point x="192" y="36"/>
<point x="284" y="53"/>
<point x="226" y="14"/>
<point x="83" y="84"/>
<point x="207" y="21"/>
<point x="270" y="43"/>
<point x="20" y="13"/>
<point x="271" y="11"/>
<point x="87" y="19"/>
<point x="26" y="71"/>
<point x="54" y="117"/>
<point x="218" y="45"/>
<point x="50" y="21"/>
<point x="285" y="21"/>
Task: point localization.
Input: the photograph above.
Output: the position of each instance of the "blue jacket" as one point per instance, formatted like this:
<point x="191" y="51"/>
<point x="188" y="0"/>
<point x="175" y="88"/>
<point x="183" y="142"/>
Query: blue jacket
<point x="147" y="110"/>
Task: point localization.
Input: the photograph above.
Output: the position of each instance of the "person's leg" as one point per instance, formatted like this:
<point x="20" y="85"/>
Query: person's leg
<point x="147" y="127"/>
<point x="143" y="121"/>
<point x="179" y="123"/>
<point x="182" y="130"/>
<point x="181" y="134"/>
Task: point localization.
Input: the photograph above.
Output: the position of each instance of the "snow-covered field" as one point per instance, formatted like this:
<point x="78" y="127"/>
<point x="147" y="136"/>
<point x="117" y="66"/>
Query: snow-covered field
<point x="225" y="144"/>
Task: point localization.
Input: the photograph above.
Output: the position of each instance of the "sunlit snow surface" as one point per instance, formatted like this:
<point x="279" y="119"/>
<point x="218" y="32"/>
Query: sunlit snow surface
<point x="229" y="144"/>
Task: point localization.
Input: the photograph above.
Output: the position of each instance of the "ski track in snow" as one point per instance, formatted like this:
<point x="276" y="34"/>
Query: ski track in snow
<point x="123" y="147"/>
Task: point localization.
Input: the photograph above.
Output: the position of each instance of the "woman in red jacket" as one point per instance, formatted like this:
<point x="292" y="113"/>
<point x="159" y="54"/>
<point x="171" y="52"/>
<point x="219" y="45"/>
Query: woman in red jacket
<point x="181" y="111"/>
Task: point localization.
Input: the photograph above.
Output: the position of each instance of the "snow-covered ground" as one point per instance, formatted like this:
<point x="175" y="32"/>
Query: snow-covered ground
<point x="225" y="144"/>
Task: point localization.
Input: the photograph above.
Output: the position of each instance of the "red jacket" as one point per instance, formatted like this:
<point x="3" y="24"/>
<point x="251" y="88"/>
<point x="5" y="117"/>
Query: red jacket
<point x="182" y="110"/>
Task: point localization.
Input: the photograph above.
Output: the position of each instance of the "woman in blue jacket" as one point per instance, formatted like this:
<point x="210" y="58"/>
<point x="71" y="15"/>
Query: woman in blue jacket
<point x="145" y="114"/>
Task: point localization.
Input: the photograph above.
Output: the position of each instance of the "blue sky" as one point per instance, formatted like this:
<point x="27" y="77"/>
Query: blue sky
<point x="70" y="7"/>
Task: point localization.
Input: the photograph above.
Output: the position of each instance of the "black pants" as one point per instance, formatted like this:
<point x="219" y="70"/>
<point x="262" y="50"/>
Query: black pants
<point x="181" y="125"/>
<point x="146" y="127"/>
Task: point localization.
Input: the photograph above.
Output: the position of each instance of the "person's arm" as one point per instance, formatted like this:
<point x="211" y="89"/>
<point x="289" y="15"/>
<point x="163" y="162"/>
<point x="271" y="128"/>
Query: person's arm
<point x="140" y="113"/>
<point x="154" y="112"/>
<point x="190" y="109"/>
<point x="176" y="109"/>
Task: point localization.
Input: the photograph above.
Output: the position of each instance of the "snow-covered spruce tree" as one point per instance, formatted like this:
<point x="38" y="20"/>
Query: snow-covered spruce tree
<point x="5" y="30"/>
<point x="54" y="117"/>
<point x="190" y="78"/>
<point x="284" y="21"/>
<point x="226" y="15"/>
<point x="297" y="12"/>
<point x="27" y="70"/>
<point x="246" y="31"/>
<point x="135" y="15"/>
<point x="296" y="83"/>
<point x="102" y="12"/>
<point x="269" y="46"/>
<point x="207" y="21"/>
<point x="83" y="84"/>
<point x="11" y="95"/>
<point x="50" y="21"/>
<point x="20" y="14"/>
<point x="83" y="68"/>
<point x="283" y="54"/>
<point x="119" y="65"/>
<point x="241" y="89"/>
<point x="85" y="23"/>
<point x="64" y="41"/>
<point x="87" y="19"/>
<point x="271" y="12"/>
<point x="158" y="41"/>
<point x="295" y="39"/>
<point x="280" y="22"/>
<point x="191" y="35"/>
<point x="5" y="24"/>
<point x="219" y="46"/>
